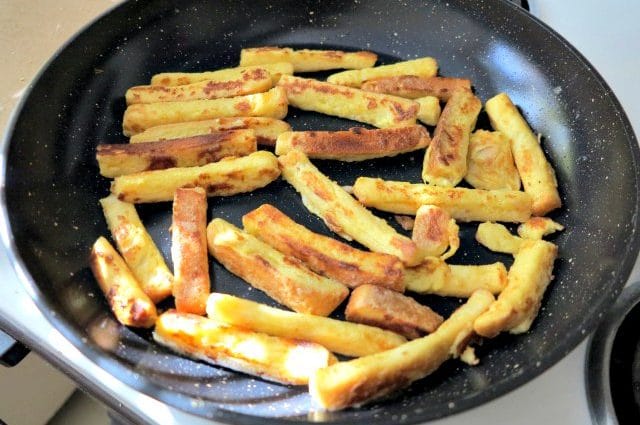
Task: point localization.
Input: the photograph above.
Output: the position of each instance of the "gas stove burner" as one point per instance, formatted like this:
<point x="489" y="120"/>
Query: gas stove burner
<point x="613" y="363"/>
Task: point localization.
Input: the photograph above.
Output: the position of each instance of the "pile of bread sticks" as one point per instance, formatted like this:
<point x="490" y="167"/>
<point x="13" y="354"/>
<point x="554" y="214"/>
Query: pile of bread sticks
<point x="194" y="135"/>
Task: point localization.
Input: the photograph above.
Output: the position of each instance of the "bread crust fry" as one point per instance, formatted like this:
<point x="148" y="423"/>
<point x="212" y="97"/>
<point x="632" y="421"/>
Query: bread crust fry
<point x="461" y="203"/>
<point x="422" y="67"/>
<point x="191" y="283"/>
<point x="538" y="227"/>
<point x="171" y="79"/>
<point x="283" y="278"/>
<point x="498" y="238"/>
<point x="308" y="60"/>
<point x="322" y="254"/>
<point x="490" y="163"/>
<point x="519" y="302"/>
<point x="138" y="250"/>
<point x="141" y="116"/>
<point x="413" y="86"/>
<point x="118" y="159"/>
<point x="249" y="81"/>
<point x="266" y="129"/>
<point x="227" y="177"/>
<point x="359" y="381"/>
<point x="379" y="110"/>
<point x="343" y="214"/>
<point x="430" y="110"/>
<point x="445" y="162"/>
<point x="272" y="358"/>
<point x="434" y="276"/>
<point x="355" y="144"/>
<point x="338" y="336"/>
<point x="130" y="305"/>
<point x="377" y="306"/>
<point x="537" y="174"/>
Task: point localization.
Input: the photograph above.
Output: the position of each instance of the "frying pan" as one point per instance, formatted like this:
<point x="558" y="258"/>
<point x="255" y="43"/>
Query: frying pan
<point x="51" y="185"/>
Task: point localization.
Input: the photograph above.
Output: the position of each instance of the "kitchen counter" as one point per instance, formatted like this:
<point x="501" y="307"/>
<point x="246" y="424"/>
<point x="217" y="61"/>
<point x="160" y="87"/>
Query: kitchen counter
<point x="30" y="32"/>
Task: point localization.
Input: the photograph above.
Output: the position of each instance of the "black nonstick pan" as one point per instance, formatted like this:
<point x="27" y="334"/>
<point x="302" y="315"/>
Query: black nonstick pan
<point x="51" y="183"/>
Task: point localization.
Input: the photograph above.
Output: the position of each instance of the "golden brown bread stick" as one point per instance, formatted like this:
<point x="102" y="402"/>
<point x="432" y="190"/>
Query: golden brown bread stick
<point x="377" y="109"/>
<point x="461" y="203"/>
<point x="182" y="78"/>
<point x="283" y="278"/>
<point x="355" y="144"/>
<point x="343" y="214"/>
<point x="338" y="336"/>
<point x="423" y="67"/>
<point x="129" y="304"/>
<point x="490" y="163"/>
<point x="445" y="162"/>
<point x="307" y="60"/>
<point x="413" y="86"/>
<point x="377" y="306"/>
<point x="266" y="129"/>
<point x="223" y="178"/>
<point x="249" y="81"/>
<point x="272" y="358"/>
<point x="434" y="231"/>
<point x="141" y="116"/>
<point x="434" y="276"/>
<point x="498" y="238"/>
<point x="519" y="302"/>
<point x="538" y="227"/>
<point x="191" y="284"/>
<point x="322" y="254"/>
<point x="118" y="159"/>
<point x="137" y="248"/>
<point x="430" y="110"/>
<point x="538" y="177"/>
<point x="359" y="381"/>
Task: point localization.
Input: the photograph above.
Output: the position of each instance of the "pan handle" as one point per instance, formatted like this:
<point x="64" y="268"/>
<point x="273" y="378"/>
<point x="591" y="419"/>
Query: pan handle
<point x="11" y="351"/>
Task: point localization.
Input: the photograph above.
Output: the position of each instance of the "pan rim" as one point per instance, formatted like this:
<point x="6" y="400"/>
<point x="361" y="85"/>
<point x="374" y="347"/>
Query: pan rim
<point x="498" y="388"/>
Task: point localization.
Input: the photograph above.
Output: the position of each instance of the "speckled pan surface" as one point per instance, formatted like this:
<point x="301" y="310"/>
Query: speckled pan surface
<point x="52" y="186"/>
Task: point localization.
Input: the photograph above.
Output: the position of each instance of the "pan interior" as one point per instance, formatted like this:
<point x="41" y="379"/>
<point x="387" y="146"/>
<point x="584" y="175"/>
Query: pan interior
<point x="53" y="188"/>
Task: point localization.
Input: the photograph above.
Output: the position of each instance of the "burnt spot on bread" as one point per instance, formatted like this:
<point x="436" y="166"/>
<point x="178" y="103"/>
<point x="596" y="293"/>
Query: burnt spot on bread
<point x="215" y="188"/>
<point x="215" y="87"/>
<point x="210" y="154"/>
<point x="264" y="263"/>
<point x="333" y="54"/>
<point x="140" y="312"/>
<point x="255" y="74"/>
<point x="296" y="85"/>
<point x="243" y="106"/>
<point x="161" y="162"/>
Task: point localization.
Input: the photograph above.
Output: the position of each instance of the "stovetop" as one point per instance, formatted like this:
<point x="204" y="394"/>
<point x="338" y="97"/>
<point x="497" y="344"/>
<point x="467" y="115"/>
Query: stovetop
<point x="558" y="395"/>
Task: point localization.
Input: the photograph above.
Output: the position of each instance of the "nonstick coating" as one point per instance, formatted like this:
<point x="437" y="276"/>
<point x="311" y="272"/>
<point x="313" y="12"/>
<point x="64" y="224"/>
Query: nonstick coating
<point x="52" y="183"/>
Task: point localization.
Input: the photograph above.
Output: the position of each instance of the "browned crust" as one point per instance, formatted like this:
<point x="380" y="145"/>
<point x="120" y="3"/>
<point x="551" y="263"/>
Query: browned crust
<point x="400" y="112"/>
<point x="191" y="285"/>
<point x="447" y="155"/>
<point x="377" y="306"/>
<point x="360" y="141"/>
<point x="257" y="271"/>
<point x="164" y="154"/>
<point x="209" y="89"/>
<point x="130" y="305"/>
<point x="293" y="239"/>
<point x="328" y="54"/>
<point x="413" y="87"/>
<point x="261" y="274"/>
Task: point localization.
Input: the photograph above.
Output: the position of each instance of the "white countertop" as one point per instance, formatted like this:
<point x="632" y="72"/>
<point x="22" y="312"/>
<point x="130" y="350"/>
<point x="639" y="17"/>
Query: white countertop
<point x="558" y="395"/>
